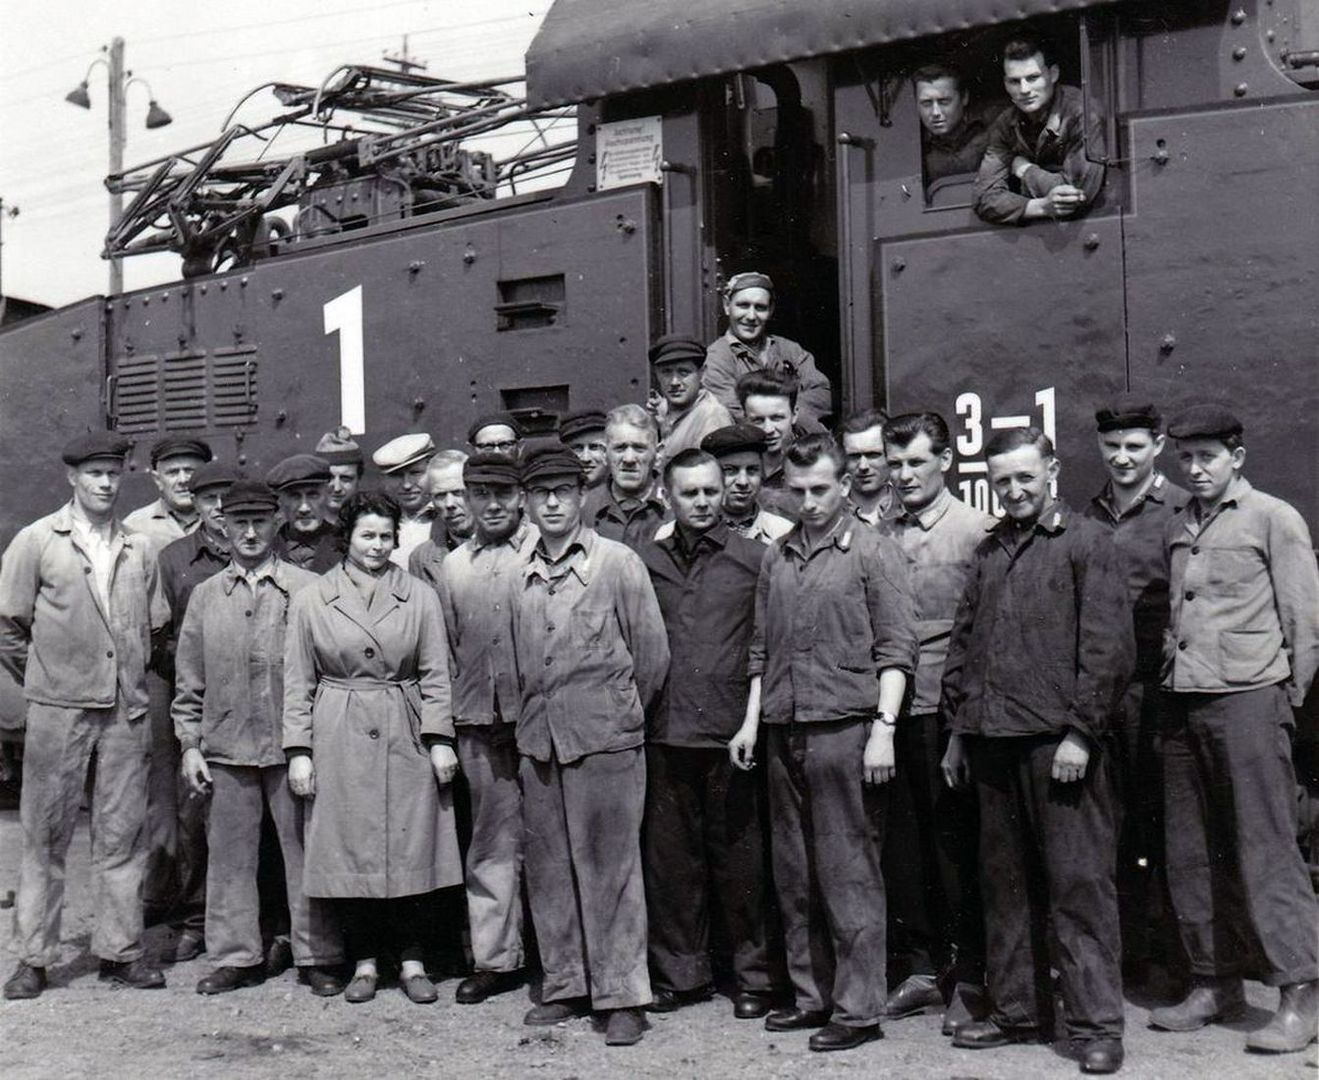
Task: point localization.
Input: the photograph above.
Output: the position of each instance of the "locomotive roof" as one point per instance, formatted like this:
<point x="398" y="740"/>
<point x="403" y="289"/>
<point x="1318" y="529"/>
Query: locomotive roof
<point x="590" y="48"/>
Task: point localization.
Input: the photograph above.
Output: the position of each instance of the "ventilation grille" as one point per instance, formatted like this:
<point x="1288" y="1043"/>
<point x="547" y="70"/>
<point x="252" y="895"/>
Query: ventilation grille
<point x="184" y="391"/>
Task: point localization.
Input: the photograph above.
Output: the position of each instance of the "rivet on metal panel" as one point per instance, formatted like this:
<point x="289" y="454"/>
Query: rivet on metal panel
<point x="277" y="295"/>
<point x="76" y="335"/>
<point x="590" y="158"/>
<point x="414" y="267"/>
<point x="280" y="417"/>
<point x="242" y="459"/>
<point x="1239" y="53"/>
<point x="164" y="296"/>
<point x="224" y="285"/>
<point x="1091" y="242"/>
<point x="1241" y="89"/>
<point x="418" y="404"/>
<point x="898" y="265"/>
<point x="243" y="281"/>
<point x="202" y="290"/>
<point x="109" y="305"/>
<point x="906" y="192"/>
<point x="590" y="187"/>
<point x="183" y="340"/>
<point x="1238" y="16"/>
<point x="469" y="256"/>
<point x="146" y="301"/>
<point x="1160" y="155"/>
<point x="625" y="225"/>
<point x="1168" y="343"/>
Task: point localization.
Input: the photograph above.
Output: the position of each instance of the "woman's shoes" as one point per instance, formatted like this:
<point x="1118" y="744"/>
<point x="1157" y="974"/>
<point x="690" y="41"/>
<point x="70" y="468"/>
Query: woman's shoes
<point x="420" y="990"/>
<point x="361" y="989"/>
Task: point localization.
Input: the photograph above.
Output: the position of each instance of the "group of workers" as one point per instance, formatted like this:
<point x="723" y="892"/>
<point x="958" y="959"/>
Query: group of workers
<point x="722" y="688"/>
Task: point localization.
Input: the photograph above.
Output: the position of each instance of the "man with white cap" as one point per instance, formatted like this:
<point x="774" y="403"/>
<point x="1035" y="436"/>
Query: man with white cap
<point x="404" y="462"/>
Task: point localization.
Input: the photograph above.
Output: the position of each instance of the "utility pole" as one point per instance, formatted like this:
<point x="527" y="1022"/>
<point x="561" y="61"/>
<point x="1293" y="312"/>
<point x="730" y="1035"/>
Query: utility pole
<point x="118" y="140"/>
<point x="10" y="212"/>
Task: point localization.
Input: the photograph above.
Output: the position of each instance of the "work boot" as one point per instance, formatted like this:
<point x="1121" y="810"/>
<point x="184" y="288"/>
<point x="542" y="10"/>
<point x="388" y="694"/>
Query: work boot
<point x="139" y="974"/>
<point x="26" y="982"/>
<point x="1211" y="998"/>
<point x="1293" y="1027"/>
<point x="625" y="1027"/>
<point x="916" y="994"/>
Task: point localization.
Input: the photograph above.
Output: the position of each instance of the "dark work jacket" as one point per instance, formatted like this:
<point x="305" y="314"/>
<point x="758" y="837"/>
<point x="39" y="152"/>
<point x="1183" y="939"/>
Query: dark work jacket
<point x="708" y="599"/>
<point x="1042" y="640"/>
<point x="632" y="522"/>
<point x="184" y="564"/>
<point x="316" y="552"/>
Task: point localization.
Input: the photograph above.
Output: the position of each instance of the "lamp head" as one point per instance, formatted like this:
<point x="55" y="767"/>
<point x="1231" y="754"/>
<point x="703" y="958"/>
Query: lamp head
<point x="79" y="96"/>
<point x="156" y="116"/>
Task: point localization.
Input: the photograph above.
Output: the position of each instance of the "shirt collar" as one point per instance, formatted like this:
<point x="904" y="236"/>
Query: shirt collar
<point x="929" y="516"/>
<point x="1236" y="491"/>
<point x="205" y="545"/>
<point x="77" y="520"/>
<point x="716" y="538"/>
<point x="742" y="349"/>
<point x="840" y="536"/>
<point x="1156" y="492"/>
<point x="267" y="571"/>
<point x="576" y="558"/>
<point x="515" y="539"/>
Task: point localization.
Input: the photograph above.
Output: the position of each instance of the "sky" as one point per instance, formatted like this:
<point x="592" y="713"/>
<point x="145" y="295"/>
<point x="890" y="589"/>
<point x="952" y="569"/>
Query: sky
<point x="199" y="60"/>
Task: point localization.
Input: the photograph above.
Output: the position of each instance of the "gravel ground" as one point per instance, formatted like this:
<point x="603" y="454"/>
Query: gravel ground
<point x="82" y="1028"/>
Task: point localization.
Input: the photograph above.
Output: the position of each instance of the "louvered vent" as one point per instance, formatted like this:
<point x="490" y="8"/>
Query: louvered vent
<point x="185" y="391"/>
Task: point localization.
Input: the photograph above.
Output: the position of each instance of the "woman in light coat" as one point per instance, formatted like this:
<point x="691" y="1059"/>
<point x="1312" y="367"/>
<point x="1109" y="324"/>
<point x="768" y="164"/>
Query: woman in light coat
<point x="368" y="730"/>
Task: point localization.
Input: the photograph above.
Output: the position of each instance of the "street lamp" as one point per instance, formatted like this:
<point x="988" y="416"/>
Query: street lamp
<point x="118" y="82"/>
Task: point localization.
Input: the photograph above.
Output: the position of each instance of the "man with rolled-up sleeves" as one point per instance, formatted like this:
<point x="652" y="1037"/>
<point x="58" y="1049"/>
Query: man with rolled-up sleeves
<point x="1241" y="652"/>
<point x="78" y="605"/>
<point x="833" y="647"/>
<point x="1041" y="652"/>
<point x="591" y="654"/>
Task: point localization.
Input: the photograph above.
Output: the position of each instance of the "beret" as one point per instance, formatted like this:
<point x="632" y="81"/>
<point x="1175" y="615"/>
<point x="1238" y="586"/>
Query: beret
<point x="673" y="347"/>
<point x="490" y="419"/>
<point x="1205" y="421"/>
<point x="245" y="494"/>
<point x="338" y="448"/>
<point x="549" y="460"/>
<point x="175" y="445"/>
<point x="298" y="469"/>
<point x="213" y="474"/>
<point x="95" y="444"/>
<point x="404" y="451"/>
<point x="750" y="279"/>
<point x="579" y="423"/>
<point x="1128" y="411"/>
<point x="734" y="439"/>
<point x="488" y="467"/>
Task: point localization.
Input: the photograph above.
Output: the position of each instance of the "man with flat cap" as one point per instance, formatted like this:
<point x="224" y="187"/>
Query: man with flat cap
<point x="497" y="433"/>
<point x="306" y="539"/>
<point x="173" y="461"/>
<point x="404" y="464"/>
<point x="176" y="812"/>
<point x="1240" y="653"/>
<point x="344" y="457"/>
<point x="1135" y="506"/>
<point x="228" y="714"/>
<point x="478" y="583"/>
<point x="689" y="412"/>
<point x="79" y="601"/>
<point x="591" y="656"/>
<point x="584" y="434"/>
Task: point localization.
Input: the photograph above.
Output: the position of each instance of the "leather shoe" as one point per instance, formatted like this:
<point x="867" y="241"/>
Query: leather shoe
<point x="750" y="1005"/>
<point x="1100" y="1055"/>
<point x="224" y="979"/>
<point x="842" y="1037"/>
<point x="916" y="994"/>
<point x="188" y="946"/>
<point x="666" y="1000"/>
<point x="987" y="1035"/>
<point x="324" y="982"/>
<point x="625" y="1027"/>
<point x="360" y="989"/>
<point x="959" y="1012"/>
<point x="138" y="974"/>
<point x="420" y="990"/>
<point x="1210" y="999"/>
<point x="279" y="958"/>
<point x="1293" y="1027"/>
<point x="26" y="982"/>
<point x="555" y="1012"/>
<point x="484" y="984"/>
<point x="795" y="1020"/>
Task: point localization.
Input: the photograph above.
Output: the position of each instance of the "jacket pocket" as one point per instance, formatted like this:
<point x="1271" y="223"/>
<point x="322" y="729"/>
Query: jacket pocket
<point x="589" y="628"/>
<point x="1245" y="655"/>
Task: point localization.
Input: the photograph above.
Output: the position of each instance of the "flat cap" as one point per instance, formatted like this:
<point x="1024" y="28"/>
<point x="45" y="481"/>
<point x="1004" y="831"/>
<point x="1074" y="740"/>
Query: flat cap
<point x="546" y="461"/>
<point x="735" y="439"/>
<point x="1128" y="411"/>
<point x="579" y="423"/>
<point x="1207" y="421"/>
<point x="249" y="495"/>
<point x="674" y="347"/>
<point x="487" y="467"/>
<point x="178" y="445"/>
<point x="298" y="469"/>
<point x="338" y="447"/>
<point x="507" y="419"/>
<point x="95" y="444"/>
<point x="404" y="451"/>
<point x="211" y="475"/>
<point x="748" y="279"/>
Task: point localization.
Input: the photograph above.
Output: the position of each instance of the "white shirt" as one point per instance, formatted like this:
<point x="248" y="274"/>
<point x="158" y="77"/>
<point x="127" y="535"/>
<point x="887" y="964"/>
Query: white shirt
<point x="97" y="541"/>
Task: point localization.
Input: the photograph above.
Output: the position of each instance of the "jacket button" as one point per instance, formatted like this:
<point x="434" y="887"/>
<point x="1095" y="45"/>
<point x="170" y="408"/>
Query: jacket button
<point x="549" y="629"/>
<point x="86" y="569"/>
<point x="549" y="660"/>
<point x="109" y="654"/>
<point x="374" y="733"/>
<point x="1181" y="645"/>
<point x="368" y="652"/>
<point x="1190" y="594"/>
<point x="1195" y="550"/>
<point x="248" y="614"/>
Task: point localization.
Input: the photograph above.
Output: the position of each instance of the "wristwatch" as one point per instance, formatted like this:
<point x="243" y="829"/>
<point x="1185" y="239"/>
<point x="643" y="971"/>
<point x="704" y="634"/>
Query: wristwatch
<point x="886" y="718"/>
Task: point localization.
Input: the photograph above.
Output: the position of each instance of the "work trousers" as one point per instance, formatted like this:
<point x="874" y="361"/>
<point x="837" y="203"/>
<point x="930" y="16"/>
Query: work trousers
<point x="239" y="798"/>
<point x="57" y="752"/>
<point x="1239" y="886"/>
<point x="936" y="924"/>
<point x="702" y="840"/>
<point x="827" y="827"/>
<point x="1048" y="855"/>
<point x="174" y="888"/>
<point x="374" y="926"/>
<point x="583" y="859"/>
<point x="493" y="875"/>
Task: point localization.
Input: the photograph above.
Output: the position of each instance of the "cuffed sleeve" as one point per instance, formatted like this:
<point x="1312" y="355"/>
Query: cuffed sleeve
<point x="896" y="644"/>
<point x="756" y="656"/>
